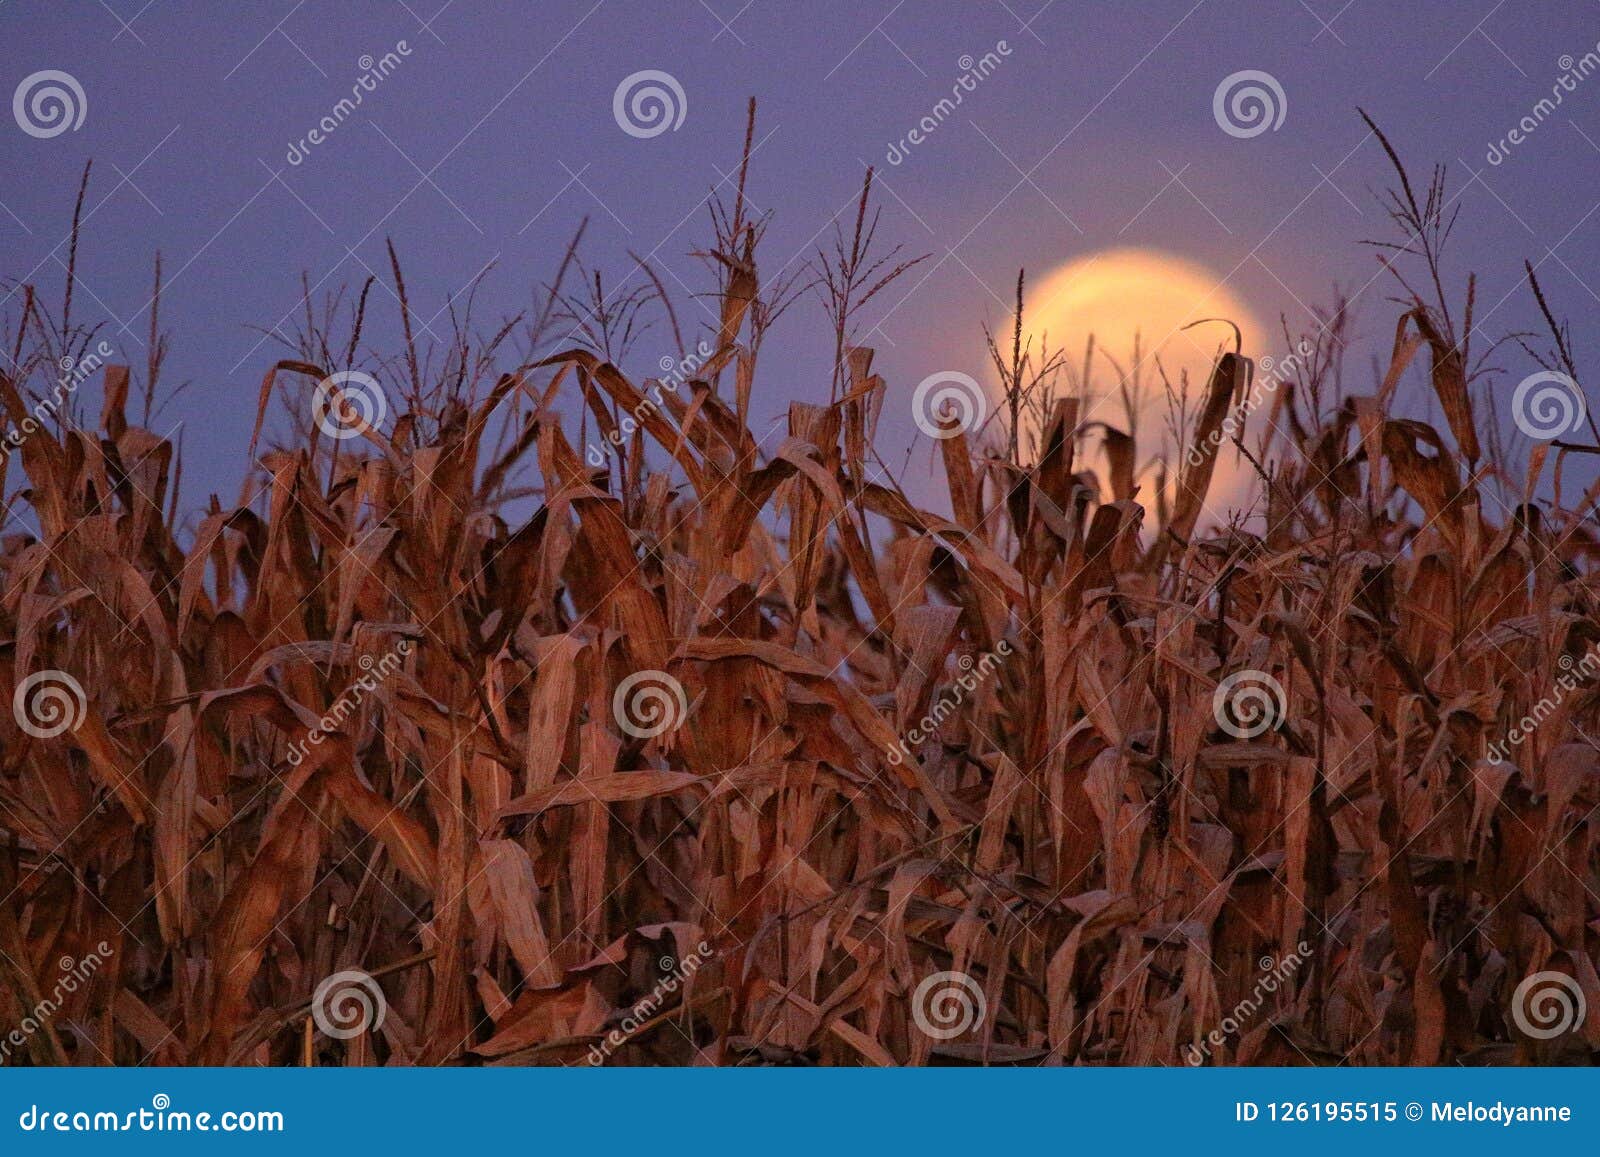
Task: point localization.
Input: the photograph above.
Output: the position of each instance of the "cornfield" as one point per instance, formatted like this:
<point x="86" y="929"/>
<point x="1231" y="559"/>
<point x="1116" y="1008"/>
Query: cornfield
<point x="470" y="741"/>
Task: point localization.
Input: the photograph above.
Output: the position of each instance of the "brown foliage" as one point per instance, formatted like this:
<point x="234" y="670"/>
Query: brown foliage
<point x="369" y="721"/>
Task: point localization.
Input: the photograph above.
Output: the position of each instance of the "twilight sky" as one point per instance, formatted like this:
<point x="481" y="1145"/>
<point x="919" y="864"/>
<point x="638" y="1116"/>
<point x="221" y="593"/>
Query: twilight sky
<point x="494" y="135"/>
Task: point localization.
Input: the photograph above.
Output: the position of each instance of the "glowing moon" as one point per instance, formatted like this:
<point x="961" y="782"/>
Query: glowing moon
<point x="1128" y="296"/>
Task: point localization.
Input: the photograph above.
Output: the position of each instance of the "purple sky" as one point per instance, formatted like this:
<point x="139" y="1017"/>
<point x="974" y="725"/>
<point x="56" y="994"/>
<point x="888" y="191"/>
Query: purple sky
<point x="496" y="135"/>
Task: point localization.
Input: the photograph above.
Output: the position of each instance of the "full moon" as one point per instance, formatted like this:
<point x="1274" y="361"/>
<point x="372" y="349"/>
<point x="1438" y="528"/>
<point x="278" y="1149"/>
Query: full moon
<point x="1136" y="303"/>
